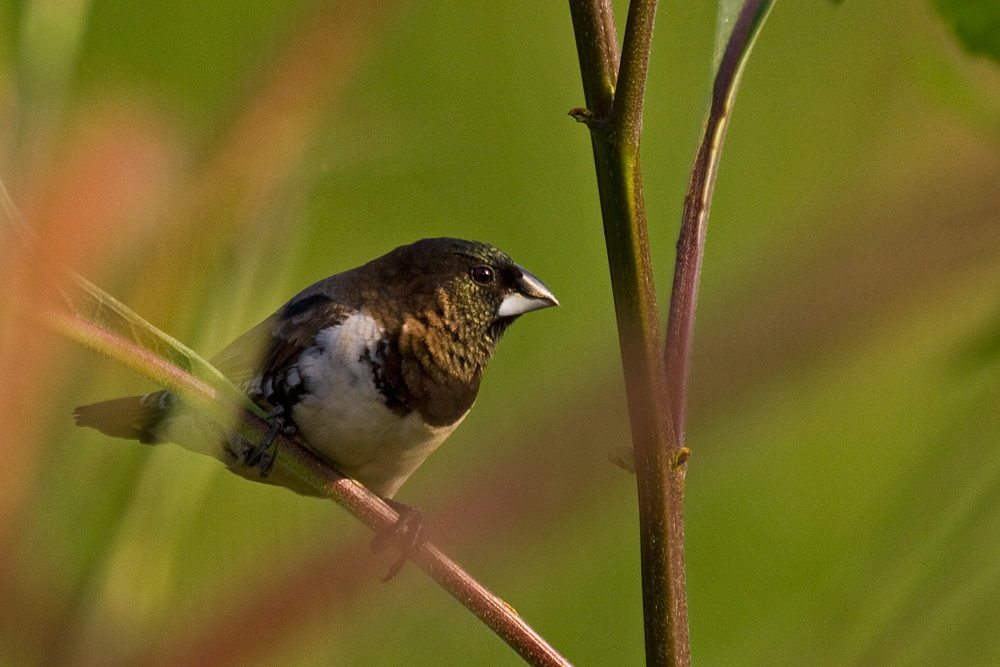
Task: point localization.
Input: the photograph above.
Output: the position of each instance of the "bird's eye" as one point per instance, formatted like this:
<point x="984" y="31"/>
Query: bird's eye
<point x="482" y="275"/>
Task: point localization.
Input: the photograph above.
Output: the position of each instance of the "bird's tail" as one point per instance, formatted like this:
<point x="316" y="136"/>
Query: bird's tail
<point x="132" y="417"/>
<point x="152" y="419"/>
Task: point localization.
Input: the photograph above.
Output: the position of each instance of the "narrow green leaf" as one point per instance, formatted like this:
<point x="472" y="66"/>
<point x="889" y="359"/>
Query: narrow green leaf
<point x="727" y="19"/>
<point x="94" y="305"/>
<point x="724" y="22"/>
<point x="738" y="26"/>
<point x="976" y="24"/>
<point x="145" y="362"/>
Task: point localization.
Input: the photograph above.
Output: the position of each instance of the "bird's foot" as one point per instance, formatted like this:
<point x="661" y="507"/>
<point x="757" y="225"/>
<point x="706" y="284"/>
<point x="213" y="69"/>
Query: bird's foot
<point x="407" y="534"/>
<point x="263" y="454"/>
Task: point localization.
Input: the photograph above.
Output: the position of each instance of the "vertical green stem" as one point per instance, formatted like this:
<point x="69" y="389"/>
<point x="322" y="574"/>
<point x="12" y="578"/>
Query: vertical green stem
<point x="615" y="120"/>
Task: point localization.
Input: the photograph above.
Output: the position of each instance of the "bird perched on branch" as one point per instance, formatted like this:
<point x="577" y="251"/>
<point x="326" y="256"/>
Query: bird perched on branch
<point x="373" y="367"/>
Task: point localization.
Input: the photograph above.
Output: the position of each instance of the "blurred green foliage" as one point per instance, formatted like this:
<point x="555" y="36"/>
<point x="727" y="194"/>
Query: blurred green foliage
<point x="976" y="24"/>
<point x="204" y="160"/>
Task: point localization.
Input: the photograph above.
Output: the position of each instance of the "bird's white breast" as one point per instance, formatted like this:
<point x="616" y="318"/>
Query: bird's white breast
<point x="344" y="417"/>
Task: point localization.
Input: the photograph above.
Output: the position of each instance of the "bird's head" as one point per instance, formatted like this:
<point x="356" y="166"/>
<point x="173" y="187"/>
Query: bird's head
<point x="475" y="281"/>
<point x="473" y="288"/>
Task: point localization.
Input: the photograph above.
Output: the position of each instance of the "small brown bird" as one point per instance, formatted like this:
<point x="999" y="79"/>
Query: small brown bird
<point x="373" y="367"/>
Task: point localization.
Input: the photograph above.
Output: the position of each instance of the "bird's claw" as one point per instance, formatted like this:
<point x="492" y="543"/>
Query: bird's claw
<point x="263" y="454"/>
<point x="407" y="534"/>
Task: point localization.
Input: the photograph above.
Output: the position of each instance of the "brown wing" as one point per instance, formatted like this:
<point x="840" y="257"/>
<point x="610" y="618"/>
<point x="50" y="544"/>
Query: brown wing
<point x="240" y="361"/>
<point x="259" y="360"/>
<point x="295" y="327"/>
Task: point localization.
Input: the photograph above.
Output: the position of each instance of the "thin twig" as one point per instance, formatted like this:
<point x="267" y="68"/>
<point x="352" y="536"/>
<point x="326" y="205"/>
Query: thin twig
<point x="371" y="510"/>
<point x="597" y="46"/>
<point x="630" y="93"/>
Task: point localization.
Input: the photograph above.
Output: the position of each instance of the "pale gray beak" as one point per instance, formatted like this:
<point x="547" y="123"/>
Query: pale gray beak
<point x="531" y="295"/>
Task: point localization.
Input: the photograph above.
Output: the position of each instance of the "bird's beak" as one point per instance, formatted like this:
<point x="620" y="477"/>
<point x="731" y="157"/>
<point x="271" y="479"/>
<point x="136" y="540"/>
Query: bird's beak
<point x="531" y="295"/>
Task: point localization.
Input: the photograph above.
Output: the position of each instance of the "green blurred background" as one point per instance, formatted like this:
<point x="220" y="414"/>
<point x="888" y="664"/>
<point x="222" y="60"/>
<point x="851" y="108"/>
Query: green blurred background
<point x="203" y="160"/>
